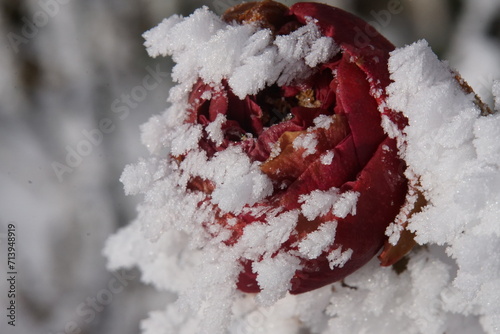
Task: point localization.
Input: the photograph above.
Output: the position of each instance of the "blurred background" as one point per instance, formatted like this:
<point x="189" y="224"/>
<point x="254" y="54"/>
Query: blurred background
<point x="75" y="85"/>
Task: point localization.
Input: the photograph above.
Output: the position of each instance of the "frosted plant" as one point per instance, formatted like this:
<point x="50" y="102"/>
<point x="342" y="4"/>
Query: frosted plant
<point x="290" y="156"/>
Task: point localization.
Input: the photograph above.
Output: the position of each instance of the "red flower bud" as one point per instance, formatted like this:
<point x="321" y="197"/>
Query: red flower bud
<point x="315" y="137"/>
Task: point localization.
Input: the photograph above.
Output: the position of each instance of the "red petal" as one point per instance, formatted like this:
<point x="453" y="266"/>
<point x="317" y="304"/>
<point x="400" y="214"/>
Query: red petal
<point x="318" y="176"/>
<point x="343" y="27"/>
<point x="290" y="163"/>
<point x="364" y="232"/>
<point x="361" y="110"/>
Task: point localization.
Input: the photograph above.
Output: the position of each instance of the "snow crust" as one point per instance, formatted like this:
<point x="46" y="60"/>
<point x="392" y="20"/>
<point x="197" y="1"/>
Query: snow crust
<point x="337" y="257"/>
<point x="308" y="142"/>
<point x="316" y="242"/>
<point x="327" y="158"/>
<point x="318" y="202"/>
<point x="453" y="156"/>
<point x="274" y="275"/>
<point x="198" y="45"/>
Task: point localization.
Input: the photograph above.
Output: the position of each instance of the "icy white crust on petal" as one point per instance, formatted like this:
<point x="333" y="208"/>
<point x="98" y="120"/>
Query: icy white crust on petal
<point x="264" y="239"/>
<point x="238" y="181"/>
<point x="308" y="142"/>
<point x="274" y="275"/>
<point x="327" y="158"/>
<point x="323" y="121"/>
<point x="318" y="241"/>
<point x="199" y="46"/>
<point x="318" y="202"/>
<point x="214" y="129"/>
<point x="346" y="204"/>
<point x="453" y="158"/>
<point x="337" y="257"/>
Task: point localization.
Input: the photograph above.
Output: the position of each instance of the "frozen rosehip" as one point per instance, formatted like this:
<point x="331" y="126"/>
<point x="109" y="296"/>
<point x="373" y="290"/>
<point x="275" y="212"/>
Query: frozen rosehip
<point x="303" y="106"/>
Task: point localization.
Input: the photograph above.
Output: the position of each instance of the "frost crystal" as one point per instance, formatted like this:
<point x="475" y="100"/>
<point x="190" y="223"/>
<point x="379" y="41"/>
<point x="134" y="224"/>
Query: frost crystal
<point x="327" y="158"/>
<point x="316" y="242"/>
<point x="453" y="157"/>
<point x="318" y="202"/>
<point x="214" y="129"/>
<point x="273" y="276"/>
<point x="338" y="258"/>
<point x="198" y="46"/>
<point x="307" y="142"/>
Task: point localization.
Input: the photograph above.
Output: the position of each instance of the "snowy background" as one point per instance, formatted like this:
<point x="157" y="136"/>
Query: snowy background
<point x="75" y="77"/>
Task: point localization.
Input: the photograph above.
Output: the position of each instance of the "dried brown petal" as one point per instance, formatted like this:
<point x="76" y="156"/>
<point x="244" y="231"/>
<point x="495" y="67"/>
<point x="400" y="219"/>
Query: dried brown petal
<point x="267" y="14"/>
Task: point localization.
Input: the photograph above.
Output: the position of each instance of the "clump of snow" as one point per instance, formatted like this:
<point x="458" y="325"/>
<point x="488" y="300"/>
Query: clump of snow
<point x="152" y="134"/>
<point x="198" y="45"/>
<point x="453" y="158"/>
<point x="275" y="150"/>
<point x="346" y="204"/>
<point x="185" y="138"/>
<point x="327" y="158"/>
<point x="265" y="239"/>
<point x="318" y="202"/>
<point x="393" y="231"/>
<point x="380" y="301"/>
<point x="238" y="181"/>
<point x="303" y="48"/>
<point x="274" y="275"/>
<point x="337" y="257"/>
<point x="318" y="241"/>
<point x="142" y="175"/>
<point x="308" y="142"/>
<point x="323" y="121"/>
<point x="214" y="129"/>
<point x="487" y="149"/>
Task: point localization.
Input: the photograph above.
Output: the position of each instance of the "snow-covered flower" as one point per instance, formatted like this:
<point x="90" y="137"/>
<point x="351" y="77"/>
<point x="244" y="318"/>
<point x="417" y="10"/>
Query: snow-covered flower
<point x="296" y="146"/>
<point x="299" y="88"/>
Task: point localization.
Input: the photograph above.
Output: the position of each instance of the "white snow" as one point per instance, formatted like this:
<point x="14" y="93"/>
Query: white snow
<point x="323" y="121"/>
<point x="453" y="157"/>
<point x="318" y="241"/>
<point x="185" y="138"/>
<point x="327" y="158"/>
<point x="142" y="175"/>
<point x="337" y="257"/>
<point x="318" y="202"/>
<point x="238" y="181"/>
<point x="214" y="129"/>
<point x="346" y="204"/>
<point x="496" y="94"/>
<point x="266" y="238"/>
<point x="303" y="48"/>
<point x="274" y="276"/>
<point x="308" y="142"/>
<point x="198" y="46"/>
